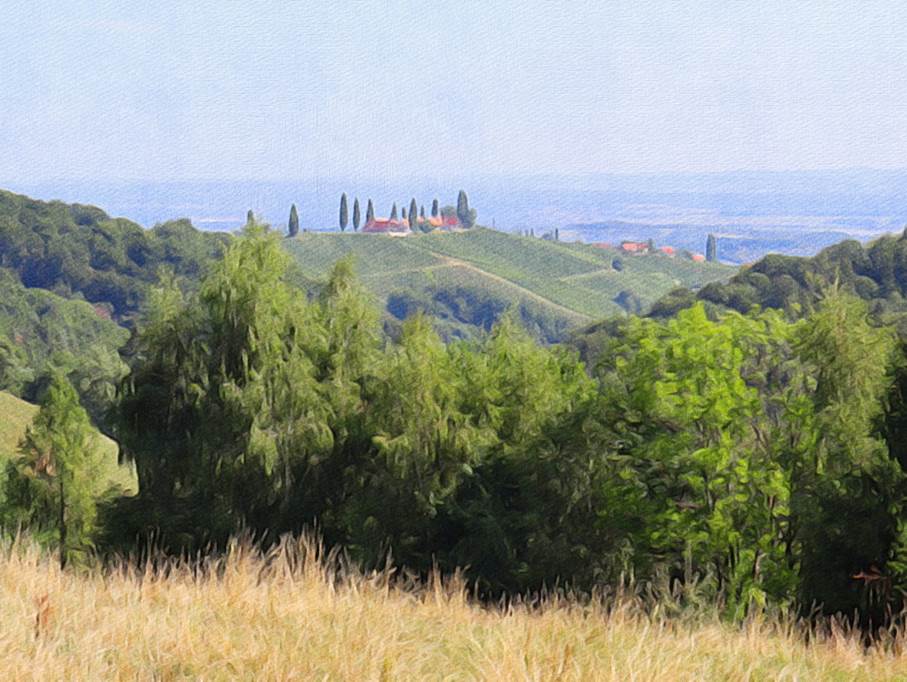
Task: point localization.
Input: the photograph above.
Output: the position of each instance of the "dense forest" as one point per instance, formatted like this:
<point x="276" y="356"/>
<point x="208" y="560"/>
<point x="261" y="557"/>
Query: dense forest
<point x="755" y="454"/>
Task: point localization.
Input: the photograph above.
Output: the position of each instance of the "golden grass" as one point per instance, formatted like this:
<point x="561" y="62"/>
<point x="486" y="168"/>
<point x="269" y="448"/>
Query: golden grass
<point x="287" y="618"/>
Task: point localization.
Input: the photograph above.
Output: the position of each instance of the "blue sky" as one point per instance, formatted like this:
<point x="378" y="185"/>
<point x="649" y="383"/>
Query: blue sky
<point x="242" y="90"/>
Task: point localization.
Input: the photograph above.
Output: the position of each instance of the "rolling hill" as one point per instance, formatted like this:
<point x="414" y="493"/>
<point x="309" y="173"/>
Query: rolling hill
<point x="467" y="279"/>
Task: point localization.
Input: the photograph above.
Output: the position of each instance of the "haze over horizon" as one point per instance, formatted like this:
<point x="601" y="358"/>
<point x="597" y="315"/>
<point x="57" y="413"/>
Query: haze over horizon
<point x="399" y="90"/>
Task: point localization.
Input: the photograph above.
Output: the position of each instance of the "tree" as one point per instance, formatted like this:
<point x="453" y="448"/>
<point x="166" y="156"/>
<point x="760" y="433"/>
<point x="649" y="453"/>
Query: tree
<point x="54" y="484"/>
<point x="344" y="212"/>
<point x="434" y="208"/>
<point x="369" y="212"/>
<point x="711" y="248"/>
<point x="465" y="215"/>
<point x="413" y="213"/>
<point x="356" y="215"/>
<point x="394" y="212"/>
<point x="293" y="225"/>
<point x="250" y="217"/>
<point x="403" y="210"/>
<point x="422" y="211"/>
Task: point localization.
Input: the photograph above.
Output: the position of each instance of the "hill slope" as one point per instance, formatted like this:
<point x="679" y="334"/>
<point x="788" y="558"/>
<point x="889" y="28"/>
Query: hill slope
<point x="16" y="415"/>
<point x="467" y="279"/>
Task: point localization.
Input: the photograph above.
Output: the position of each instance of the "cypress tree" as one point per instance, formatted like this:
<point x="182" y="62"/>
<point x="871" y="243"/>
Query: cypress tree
<point x="293" y="225"/>
<point x="394" y="212"/>
<point x="403" y="213"/>
<point x="344" y="212"/>
<point x="356" y="215"/>
<point x="463" y="208"/>
<point x="711" y="248"/>
<point x="434" y="208"/>
<point x="369" y="212"/>
<point x="422" y="211"/>
<point x="250" y="217"/>
<point x="413" y="213"/>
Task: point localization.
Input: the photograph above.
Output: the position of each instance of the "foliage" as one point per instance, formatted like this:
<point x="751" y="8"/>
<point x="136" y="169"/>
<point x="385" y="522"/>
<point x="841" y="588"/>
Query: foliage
<point x="293" y="224"/>
<point x="54" y="485"/>
<point x="344" y="212"/>
<point x="78" y="251"/>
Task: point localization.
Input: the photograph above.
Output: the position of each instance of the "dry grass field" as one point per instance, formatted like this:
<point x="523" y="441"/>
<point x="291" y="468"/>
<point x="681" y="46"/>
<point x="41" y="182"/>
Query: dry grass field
<point x="286" y="617"/>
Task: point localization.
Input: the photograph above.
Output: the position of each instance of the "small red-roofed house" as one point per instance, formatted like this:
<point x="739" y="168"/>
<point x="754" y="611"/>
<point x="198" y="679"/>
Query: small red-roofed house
<point x="385" y="225"/>
<point x="602" y="245"/>
<point x="698" y="257"/>
<point x="634" y="247"/>
<point x="667" y="250"/>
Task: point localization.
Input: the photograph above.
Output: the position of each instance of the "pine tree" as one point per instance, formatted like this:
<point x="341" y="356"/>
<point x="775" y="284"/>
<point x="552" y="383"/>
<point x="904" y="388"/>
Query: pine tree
<point x="54" y="484"/>
<point x="369" y="212"/>
<point x="413" y="213"/>
<point x="356" y="215"/>
<point x="293" y="225"/>
<point x="344" y="213"/>
<point x="394" y="212"/>
<point x="434" y="208"/>
<point x="711" y="248"/>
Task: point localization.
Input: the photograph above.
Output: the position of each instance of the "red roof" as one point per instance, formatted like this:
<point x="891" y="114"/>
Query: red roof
<point x="634" y="246"/>
<point x="698" y="257"/>
<point x="451" y="220"/>
<point x="668" y="250"/>
<point x="602" y="245"/>
<point x="384" y="225"/>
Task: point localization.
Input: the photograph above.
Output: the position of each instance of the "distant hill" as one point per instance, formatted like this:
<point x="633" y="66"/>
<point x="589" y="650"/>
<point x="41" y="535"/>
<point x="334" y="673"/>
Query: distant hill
<point x="466" y="280"/>
<point x="16" y="415"/>
<point x="79" y="251"/>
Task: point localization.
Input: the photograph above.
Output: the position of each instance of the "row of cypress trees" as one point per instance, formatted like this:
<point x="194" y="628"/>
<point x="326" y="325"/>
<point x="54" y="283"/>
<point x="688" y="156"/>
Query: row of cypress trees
<point x="465" y="215"/>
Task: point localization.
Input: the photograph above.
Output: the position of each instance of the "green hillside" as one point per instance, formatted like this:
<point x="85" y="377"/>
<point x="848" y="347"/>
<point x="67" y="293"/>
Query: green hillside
<point x="561" y="284"/>
<point x="16" y="415"/>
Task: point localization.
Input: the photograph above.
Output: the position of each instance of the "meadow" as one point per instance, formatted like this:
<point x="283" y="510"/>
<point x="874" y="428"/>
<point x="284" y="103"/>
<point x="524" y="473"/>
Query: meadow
<point x="294" y="614"/>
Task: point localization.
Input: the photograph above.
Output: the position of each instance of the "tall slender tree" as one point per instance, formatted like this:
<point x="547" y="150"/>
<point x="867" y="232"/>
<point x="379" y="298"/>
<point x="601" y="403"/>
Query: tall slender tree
<point x="711" y="248"/>
<point x="356" y="215"/>
<point x="344" y="212"/>
<point x="422" y="211"/>
<point x="465" y="215"/>
<point x="413" y="213"/>
<point x="435" y="208"/>
<point x="369" y="212"/>
<point x="293" y="225"/>
<point x="250" y="217"/>
<point x="394" y="212"/>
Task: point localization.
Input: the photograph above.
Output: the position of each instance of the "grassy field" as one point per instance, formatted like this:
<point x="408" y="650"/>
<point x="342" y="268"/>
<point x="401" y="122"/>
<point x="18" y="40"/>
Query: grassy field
<point x="289" y="619"/>
<point x="575" y="281"/>
<point x="16" y="415"/>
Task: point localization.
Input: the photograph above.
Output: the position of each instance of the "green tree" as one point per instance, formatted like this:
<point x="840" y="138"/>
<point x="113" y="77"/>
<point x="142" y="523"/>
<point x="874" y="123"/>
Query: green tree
<point x="711" y="248"/>
<point x="394" y="212"/>
<point x="465" y="214"/>
<point x="435" y="209"/>
<point x="344" y="212"/>
<point x="413" y="213"/>
<point x="357" y="216"/>
<point x="54" y="485"/>
<point x="369" y="212"/>
<point x="250" y="217"/>
<point x="293" y="225"/>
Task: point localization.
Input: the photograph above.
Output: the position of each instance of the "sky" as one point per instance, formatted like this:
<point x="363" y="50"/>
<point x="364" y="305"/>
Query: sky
<point x="359" y="89"/>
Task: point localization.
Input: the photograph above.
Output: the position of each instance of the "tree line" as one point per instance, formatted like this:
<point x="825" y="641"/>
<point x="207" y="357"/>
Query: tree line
<point x="755" y="455"/>
<point x="466" y="216"/>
